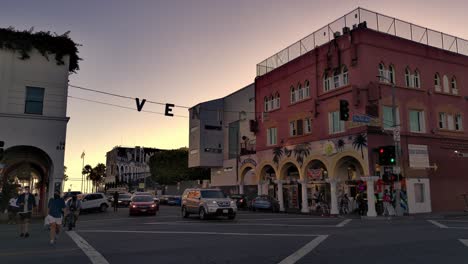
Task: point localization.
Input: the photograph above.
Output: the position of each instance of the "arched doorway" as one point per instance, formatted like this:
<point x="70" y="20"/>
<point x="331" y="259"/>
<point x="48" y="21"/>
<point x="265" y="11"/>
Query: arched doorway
<point x="292" y="188"/>
<point x="348" y="172"/>
<point x="248" y="181"/>
<point x="266" y="182"/>
<point x="316" y="176"/>
<point x="28" y="166"/>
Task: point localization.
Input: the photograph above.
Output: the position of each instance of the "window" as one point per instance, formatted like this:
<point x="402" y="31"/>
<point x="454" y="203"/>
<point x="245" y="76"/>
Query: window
<point x="293" y="95"/>
<point x="408" y="78"/>
<point x="388" y="117"/>
<point x="458" y="122"/>
<point x="271" y="103"/>
<point x="416" y="82"/>
<point x="446" y="84"/>
<point x="437" y="82"/>
<point x="382" y="72"/>
<point x="292" y="128"/>
<point x="34" y="100"/>
<point x="442" y="121"/>
<point x="419" y="192"/>
<point x="271" y="136"/>
<point x="306" y="89"/>
<point x="277" y="100"/>
<point x="335" y="125"/>
<point x="391" y="73"/>
<point x="454" y="85"/>
<point x="308" y="125"/>
<point x="344" y="72"/>
<point x="450" y="122"/>
<point x="326" y="83"/>
<point x="300" y="127"/>
<point x="300" y="92"/>
<point x="336" y="79"/>
<point x="265" y="103"/>
<point x="417" y="123"/>
<point x="233" y="139"/>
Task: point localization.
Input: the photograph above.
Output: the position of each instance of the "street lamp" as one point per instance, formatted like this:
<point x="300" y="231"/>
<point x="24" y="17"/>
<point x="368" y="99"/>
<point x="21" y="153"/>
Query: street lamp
<point x="396" y="140"/>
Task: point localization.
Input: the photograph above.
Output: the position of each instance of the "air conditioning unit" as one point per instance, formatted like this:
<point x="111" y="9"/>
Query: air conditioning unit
<point x="362" y="25"/>
<point x="337" y="34"/>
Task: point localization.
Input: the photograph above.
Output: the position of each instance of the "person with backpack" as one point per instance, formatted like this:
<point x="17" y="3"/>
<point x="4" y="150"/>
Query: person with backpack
<point x="73" y="206"/>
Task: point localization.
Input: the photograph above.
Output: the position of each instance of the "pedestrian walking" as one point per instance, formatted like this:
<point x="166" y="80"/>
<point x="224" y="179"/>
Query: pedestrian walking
<point x="361" y="203"/>
<point x="116" y="201"/>
<point x="387" y="203"/>
<point x="26" y="203"/>
<point x="54" y="217"/>
<point x="36" y="197"/>
<point x="12" y="210"/>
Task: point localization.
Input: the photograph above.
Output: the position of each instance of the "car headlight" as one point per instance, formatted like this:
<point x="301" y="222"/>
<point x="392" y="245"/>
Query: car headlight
<point x="153" y="205"/>
<point x="233" y="203"/>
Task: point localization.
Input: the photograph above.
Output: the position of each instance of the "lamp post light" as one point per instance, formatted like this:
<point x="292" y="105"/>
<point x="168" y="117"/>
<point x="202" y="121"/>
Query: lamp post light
<point x="396" y="141"/>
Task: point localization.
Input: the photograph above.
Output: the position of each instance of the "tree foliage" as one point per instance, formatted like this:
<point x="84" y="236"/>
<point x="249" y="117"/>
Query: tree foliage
<point x="96" y="174"/>
<point x="171" y="166"/>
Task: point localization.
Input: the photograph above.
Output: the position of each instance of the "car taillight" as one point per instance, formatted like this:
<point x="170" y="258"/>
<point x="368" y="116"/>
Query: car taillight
<point x="241" y="200"/>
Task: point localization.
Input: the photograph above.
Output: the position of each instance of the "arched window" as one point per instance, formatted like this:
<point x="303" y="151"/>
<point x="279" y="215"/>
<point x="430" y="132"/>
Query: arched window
<point x="416" y="82"/>
<point x="336" y="79"/>
<point x="271" y="103"/>
<point x="293" y="94"/>
<point x="300" y="92"/>
<point x="277" y="100"/>
<point x="437" y="82"/>
<point x="265" y="104"/>
<point x="326" y="82"/>
<point x="408" y="78"/>
<point x="446" y="84"/>
<point x="391" y="73"/>
<point x="381" y="72"/>
<point x="453" y="85"/>
<point x="306" y="89"/>
<point x="344" y="71"/>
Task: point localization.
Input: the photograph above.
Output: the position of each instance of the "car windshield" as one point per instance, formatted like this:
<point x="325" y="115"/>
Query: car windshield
<point x="236" y="196"/>
<point x="142" y="198"/>
<point x="213" y="194"/>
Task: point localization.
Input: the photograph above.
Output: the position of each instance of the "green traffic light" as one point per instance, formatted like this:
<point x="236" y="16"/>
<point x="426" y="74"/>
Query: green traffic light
<point x="392" y="160"/>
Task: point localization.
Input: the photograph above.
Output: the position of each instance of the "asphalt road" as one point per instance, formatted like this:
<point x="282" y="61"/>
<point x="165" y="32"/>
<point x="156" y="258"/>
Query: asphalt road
<point x="251" y="238"/>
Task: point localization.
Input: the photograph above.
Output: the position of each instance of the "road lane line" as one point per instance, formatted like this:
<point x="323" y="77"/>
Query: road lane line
<point x="234" y="224"/>
<point x="93" y="254"/>
<point x="293" y="258"/>
<point x="343" y="223"/>
<point x="124" y="218"/>
<point x="285" y="218"/>
<point x="197" y="233"/>
<point x="437" y="224"/>
<point x="464" y="242"/>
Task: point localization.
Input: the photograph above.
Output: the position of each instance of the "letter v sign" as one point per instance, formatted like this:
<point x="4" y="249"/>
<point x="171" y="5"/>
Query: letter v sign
<point x="140" y="106"/>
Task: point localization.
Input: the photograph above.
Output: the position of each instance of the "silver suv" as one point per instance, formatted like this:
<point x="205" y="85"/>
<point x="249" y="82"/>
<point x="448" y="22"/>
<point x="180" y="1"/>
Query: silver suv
<point x="207" y="202"/>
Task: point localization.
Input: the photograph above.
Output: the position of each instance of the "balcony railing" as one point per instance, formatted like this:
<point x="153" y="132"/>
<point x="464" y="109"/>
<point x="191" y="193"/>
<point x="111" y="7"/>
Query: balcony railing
<point x="375" y="21"/>
<point x="247" y="148"/>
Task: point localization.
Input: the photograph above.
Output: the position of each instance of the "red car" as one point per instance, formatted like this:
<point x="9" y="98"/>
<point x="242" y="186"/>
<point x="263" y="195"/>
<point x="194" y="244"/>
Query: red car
<point x="143" y="204"/>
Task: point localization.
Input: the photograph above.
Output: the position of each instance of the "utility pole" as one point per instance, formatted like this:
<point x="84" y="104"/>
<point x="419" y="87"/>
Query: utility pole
<point x="82" y="172"/>
<point x="396" y="141"/>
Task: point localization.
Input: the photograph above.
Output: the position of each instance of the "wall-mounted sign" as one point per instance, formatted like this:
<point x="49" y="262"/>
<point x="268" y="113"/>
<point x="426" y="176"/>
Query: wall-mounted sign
<point x="314" y="174"/>
<point x="418" y="156"/>
<point x="251" y="161"/>
<point x="329" y="148"/>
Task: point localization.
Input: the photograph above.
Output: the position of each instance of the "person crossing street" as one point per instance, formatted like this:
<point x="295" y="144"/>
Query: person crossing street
<point x="26" y="203"/>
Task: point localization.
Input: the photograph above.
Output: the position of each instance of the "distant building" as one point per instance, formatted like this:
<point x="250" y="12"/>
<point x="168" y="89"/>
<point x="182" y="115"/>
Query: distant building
<point x="33" y="108"/>
<point x="221" y="131"/>
<point x="128" y="165"/>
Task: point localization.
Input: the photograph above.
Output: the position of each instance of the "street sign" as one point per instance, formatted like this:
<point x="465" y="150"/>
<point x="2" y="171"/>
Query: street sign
<point x="361" y="119"/>
<point x="396" y="134"/>
<point x="396" y="170"/>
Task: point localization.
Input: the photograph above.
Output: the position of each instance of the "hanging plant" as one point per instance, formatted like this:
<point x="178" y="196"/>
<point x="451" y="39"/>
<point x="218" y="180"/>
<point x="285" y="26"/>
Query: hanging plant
<point x="47" y="44"/>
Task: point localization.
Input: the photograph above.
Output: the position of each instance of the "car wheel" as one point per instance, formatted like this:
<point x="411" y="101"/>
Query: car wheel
<point x="185" y="214"/>
<point x="103" y="208"/>
<point x="202" y="214"/>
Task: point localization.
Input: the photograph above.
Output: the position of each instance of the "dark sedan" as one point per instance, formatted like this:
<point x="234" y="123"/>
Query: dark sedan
<point x="142" y="204"/>
<point x="242" y="201"/>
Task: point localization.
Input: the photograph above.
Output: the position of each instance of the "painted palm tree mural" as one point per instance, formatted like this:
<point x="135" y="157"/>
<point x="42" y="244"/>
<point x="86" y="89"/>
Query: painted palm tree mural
<point x="301" y="151"/>
<point x="277" y="154"/>
<point x="360" y="142"/>
<point x="287" y="152"/>
<point x="340" y="144"/>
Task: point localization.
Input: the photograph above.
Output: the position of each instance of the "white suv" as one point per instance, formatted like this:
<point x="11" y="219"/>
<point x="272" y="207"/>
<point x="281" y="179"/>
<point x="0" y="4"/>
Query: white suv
<point x="94" y="201"/>
<point x="207" y="202"/>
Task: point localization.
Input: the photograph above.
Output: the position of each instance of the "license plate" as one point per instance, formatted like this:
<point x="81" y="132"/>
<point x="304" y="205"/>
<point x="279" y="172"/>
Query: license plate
<point x="225" y="211"/>
<point x="143" y="210"/>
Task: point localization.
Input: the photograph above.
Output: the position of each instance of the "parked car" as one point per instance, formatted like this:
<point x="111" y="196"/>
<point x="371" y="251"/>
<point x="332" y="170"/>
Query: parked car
<point x="174" y="200"/>
<point x="67" y="195"/>
<point x="142" y="204"/>
<point x="265" y="202"/>
<point x="124" y="200"/>
<point x="242" y="201"/>
<point x="94" y="201"/>
<point x="207" y="202"/>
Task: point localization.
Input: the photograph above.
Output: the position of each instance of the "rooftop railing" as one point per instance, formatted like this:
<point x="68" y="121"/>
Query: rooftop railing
<point x="375" y="21"/>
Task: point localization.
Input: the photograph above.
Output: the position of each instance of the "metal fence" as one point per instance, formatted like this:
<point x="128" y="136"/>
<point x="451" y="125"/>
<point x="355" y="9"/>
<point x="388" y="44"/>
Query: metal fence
<point x="375" y="21"/>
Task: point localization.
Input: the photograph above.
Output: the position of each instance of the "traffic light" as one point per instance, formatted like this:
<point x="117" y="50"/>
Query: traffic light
<point x="387" y="155"/>
<point x="344" y="110"/>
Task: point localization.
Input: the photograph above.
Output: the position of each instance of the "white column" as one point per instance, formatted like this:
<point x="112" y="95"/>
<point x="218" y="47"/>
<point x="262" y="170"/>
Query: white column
<point x="370" y="195"/>
<point x="241" y="188"/>
<point x="305" y="203"/>
<point x="280" y="195"/>
<point x="334" y="198"/>
<point x="259" y="188"/>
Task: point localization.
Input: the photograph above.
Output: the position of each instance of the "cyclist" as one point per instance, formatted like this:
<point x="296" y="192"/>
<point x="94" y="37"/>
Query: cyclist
<point x="73" y="207"/>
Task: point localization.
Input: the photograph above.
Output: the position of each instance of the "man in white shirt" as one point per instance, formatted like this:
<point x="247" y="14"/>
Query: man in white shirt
<point x="26" y="204"/>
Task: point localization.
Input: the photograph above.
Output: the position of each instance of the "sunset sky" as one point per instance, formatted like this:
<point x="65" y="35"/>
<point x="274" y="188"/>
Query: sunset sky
<point x="181" y="52"/>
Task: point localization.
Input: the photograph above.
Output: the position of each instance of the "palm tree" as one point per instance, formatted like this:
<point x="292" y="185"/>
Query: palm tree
<point x="87" y="170"/>
<point x="97" y="175"/>
<point x="340" y="144"/>
<point x="360" y="142"/>
<point x="301" y="151"/>
<point x="277" y="154"/>
<point x="65" y="176"/>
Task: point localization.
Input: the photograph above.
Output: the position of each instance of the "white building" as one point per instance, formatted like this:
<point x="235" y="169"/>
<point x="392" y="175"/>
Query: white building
<point x="33" y="121"/>
<point x="221" y="132"/>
